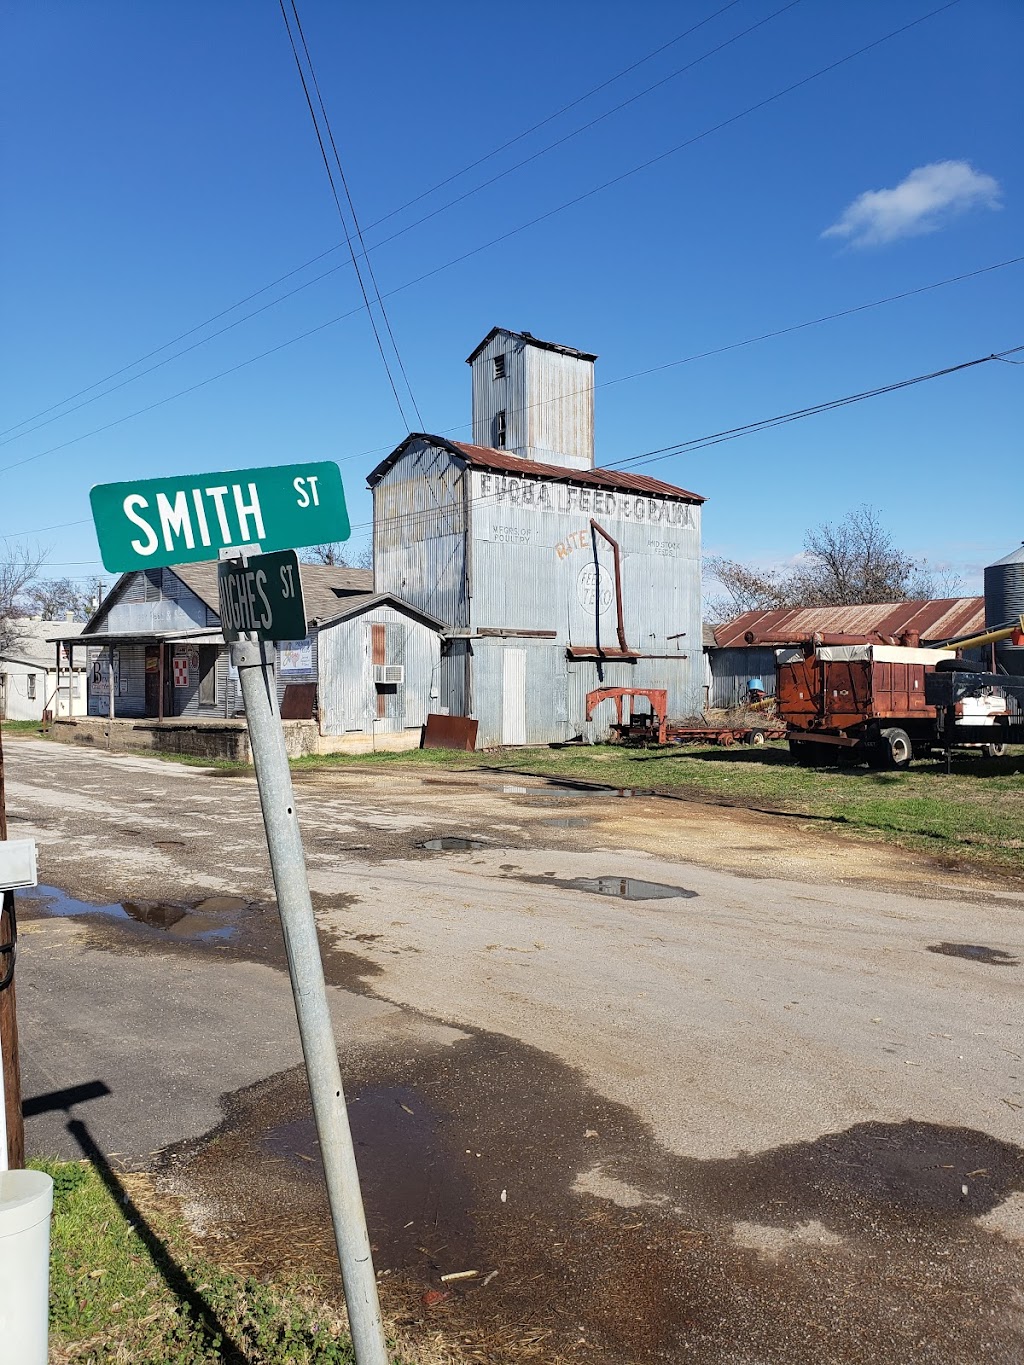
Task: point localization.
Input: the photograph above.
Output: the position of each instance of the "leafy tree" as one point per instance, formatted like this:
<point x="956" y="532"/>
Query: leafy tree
<point x="843" y="563"/>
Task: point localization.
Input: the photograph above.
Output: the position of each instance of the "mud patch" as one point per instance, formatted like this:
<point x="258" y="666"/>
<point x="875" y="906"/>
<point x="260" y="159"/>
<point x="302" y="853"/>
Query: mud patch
<point x="976" y="952"/>
<point x="488" y="1155"/>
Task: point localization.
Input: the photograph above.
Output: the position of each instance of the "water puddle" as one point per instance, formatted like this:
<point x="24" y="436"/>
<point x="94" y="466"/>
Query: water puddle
<point x="451" y="844"/>
<point x="566" y="822"/>
<point x="213" y="919"/>
<point x="564" y="791"/>
<point x="621" y="888"/>
<point x="416" y="1193"/>
<point x="976" y="952"/>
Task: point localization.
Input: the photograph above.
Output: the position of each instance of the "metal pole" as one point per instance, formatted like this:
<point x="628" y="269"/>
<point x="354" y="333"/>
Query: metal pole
<point x="305" y="968"/>
<point x="13" y="1151"/>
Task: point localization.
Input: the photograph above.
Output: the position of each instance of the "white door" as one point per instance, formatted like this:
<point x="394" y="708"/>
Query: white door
<point x="513" y="696"/>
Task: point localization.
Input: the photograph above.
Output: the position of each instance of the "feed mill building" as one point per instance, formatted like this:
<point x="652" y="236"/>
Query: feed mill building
<point x="552" y="577"/>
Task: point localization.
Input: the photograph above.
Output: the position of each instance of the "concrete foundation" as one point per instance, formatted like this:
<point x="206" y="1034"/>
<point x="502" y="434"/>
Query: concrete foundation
<point x="218" y="739"/>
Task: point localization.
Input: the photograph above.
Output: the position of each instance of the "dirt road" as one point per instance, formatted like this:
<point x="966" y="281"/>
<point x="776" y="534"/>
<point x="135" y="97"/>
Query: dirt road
<point x="697" y="1084"/>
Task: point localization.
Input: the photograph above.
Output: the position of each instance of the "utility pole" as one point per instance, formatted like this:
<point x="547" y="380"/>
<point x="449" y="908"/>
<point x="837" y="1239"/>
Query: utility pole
<point x="15" y="1124"/>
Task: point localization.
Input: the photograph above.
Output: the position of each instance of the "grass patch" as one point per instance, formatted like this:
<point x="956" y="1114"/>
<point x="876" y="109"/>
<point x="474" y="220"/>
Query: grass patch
<point x="131" y="1286"/>
<point x="976" y="812"/>
<point x="21" y="727"/>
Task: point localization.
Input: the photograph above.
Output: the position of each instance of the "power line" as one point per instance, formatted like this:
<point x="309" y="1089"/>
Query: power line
<point x="533" y="222"/>
<point x="7" y="437"/>
<point x="749" y="341"/>
<point x="766" y="423"/>
<point x="337" y="201"/>
<point x="715" y="438"/>
<point x="240" y="303"/>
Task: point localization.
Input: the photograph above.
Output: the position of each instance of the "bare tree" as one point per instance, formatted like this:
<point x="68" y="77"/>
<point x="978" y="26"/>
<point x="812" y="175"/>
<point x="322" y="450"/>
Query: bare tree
<point x="843" y="563"/>
<point x="53" y="598"/>
<point x="337" y="554"/>
<point x="19" y="569"/>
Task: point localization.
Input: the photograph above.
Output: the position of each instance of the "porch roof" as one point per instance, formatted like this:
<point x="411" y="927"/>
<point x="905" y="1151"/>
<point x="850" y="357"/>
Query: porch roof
<point x="210" y="635"/>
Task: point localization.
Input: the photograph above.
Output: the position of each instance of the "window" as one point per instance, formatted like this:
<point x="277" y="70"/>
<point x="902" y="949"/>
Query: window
<point x="31" y="687"/>
<point x="500" y="429"/>
<point x="499" y="366"/>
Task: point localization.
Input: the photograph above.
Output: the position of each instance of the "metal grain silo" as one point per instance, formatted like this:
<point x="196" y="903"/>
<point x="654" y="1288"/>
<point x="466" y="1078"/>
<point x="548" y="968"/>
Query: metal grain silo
<point x="1004" y="602"/>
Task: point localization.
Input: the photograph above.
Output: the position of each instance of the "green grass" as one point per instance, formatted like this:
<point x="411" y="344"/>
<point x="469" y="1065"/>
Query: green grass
<point x="977" y="812"/>
<point x="21" y="727"/>
<point x="128" y="1286"/>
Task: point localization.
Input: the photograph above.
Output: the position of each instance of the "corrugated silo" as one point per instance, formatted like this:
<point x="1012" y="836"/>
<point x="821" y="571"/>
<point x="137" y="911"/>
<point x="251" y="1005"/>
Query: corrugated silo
<point x="1004" y="602"/>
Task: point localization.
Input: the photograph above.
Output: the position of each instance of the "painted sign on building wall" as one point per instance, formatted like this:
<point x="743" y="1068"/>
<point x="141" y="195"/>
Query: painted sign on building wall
<point x="545" y="495"/>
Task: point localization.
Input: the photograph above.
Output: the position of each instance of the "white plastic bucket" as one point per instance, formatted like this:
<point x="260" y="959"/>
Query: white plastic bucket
<point x="26" y="1202"/>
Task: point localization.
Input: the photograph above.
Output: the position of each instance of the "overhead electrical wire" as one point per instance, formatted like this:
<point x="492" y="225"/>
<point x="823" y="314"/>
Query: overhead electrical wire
<point x="607" y="383"/>
<point x="533" y="222"/>
<point x="766" y="423"/>
<point x="717" y="438"/>
<point x="240" y="303"/>
<point x="12" y="434"/>
<point x="341" y="212"/>
<point x="352" y="210"/>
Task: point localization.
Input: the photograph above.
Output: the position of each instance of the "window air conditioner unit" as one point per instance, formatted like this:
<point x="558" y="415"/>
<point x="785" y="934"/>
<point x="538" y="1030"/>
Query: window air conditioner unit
<point x="389" y="673"/>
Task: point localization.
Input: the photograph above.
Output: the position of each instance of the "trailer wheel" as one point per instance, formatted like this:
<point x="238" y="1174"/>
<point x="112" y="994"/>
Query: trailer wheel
<point x="802" y="752"/>
<point x="755" y="737"/>
<point x="994" y="750"/>
<point x="896" y="749"/>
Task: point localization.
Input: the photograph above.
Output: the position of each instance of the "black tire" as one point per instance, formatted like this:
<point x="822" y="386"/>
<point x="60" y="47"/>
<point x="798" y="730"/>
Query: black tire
<point x="801" y="751"/>
<point x="755" y="738"/>
<point x="957" y="666"/>
<point x="995" y="750"/>
<point x="896" y="749"/>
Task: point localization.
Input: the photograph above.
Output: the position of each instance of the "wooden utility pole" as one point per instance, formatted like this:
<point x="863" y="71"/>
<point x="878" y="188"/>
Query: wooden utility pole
<point x="9" y="1014"/>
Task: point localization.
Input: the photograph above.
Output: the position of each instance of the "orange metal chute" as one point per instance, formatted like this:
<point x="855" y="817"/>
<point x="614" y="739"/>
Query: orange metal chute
<point x="657" y="696"/>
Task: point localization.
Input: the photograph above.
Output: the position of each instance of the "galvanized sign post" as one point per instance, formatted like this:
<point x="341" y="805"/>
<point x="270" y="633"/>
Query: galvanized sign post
<point x="261" y="601"/>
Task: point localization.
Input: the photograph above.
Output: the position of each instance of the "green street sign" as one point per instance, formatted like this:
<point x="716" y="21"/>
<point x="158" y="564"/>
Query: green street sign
<point x="149" y="522"/>
<point x="263" y="595"/>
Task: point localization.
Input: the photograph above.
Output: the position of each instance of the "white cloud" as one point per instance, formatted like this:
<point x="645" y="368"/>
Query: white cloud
<point x="923" y="202"/>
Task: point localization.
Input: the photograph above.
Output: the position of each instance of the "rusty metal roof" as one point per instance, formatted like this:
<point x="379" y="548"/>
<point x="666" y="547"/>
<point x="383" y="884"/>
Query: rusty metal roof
<point x="533" y="341"/>
<point x="940" y="618"/>
<point x="484" y="457"/>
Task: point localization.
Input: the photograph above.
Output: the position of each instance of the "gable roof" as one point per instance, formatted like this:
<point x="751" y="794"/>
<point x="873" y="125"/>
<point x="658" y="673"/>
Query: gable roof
<point x="324" y="588"/>
<point x="323" y="585"/>
<point x="533" y="341"/>
<point x="360" y="602"/>
<point x="940" y="618"/>
<point x="484" y="457"/>
<point x="34" y="640"/>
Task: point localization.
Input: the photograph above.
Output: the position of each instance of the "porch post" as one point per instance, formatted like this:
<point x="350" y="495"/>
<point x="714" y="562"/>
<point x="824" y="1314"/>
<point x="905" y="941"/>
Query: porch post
<point x="110" y="695"/>
<point x="56" y="695"/>
<point x="71" y="676"/>
<point x="160" y="680"/>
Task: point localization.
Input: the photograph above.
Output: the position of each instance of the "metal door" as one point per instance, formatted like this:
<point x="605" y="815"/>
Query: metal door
<point x="513" y="696"/>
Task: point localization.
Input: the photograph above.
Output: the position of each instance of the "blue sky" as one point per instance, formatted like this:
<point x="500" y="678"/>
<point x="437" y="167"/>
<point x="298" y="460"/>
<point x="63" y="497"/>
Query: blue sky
<point x="161" y="166"/>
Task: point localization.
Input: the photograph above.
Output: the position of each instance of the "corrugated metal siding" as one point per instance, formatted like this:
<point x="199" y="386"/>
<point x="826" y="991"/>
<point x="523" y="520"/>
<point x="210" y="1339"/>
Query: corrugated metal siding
<point x="348" y="696"/>
<point x="548" y="399"/>
<point x="732" y="668"/>
<point x="419" y="536"/>
<point x="132" y="673"/>
<point x="560" y="413"/>
<point x="154" y="599"/>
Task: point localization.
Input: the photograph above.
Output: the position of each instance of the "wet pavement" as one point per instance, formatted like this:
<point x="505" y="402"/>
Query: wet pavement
<point x="589" y="1241"/>
<point x="664" y="1111"/>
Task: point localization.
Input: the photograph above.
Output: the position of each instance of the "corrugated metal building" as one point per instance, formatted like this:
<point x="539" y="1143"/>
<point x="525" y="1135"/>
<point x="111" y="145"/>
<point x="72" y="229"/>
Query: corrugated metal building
<point x="373" y="658"/>
<point x="532" y="563"/>
<point x="732" y="662"/>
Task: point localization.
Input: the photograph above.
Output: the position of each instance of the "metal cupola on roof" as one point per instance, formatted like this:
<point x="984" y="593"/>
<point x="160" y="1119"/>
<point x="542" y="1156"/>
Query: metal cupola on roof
<point x="534" y="398"/>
